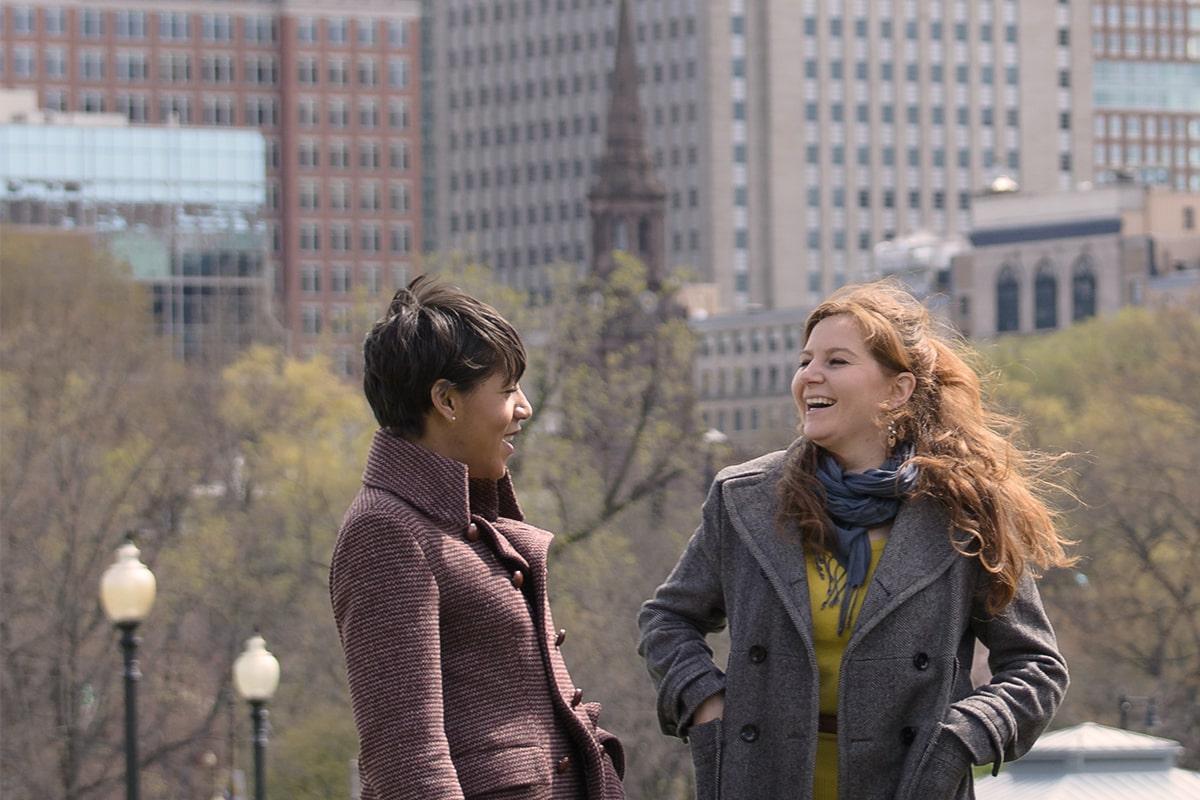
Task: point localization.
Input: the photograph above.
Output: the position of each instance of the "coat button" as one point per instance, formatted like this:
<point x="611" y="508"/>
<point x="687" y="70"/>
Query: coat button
<point x="518" y="579"/>
<point x="473" y="532"/>
<point x="577" y="698"/>
<point x="561" y="637"/>
<point x="564" y="764"/>
<point x="921" y="661"/>
<point x="758" y="654"/>
<point x="749" y="733"/>
<point x="908" y="734"/>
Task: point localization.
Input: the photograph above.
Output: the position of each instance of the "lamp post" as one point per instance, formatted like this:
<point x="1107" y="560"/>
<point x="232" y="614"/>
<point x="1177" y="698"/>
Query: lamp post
<point x="256" y="676"/>
<point x="127" y="593"/>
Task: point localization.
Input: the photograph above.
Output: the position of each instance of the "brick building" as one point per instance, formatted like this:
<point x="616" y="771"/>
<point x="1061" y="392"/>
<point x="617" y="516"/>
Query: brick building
<point x="334" y="88"/>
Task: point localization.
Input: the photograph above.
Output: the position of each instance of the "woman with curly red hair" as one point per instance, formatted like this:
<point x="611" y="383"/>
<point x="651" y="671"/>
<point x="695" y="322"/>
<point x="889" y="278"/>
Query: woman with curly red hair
<point x="855" y="571"/>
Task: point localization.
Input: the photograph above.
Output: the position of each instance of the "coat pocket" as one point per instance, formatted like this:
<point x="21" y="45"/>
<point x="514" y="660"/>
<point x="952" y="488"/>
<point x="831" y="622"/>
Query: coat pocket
<point x="705" y="741"/>
<point x="503" y="773"/>
<point x="944" y="773"/>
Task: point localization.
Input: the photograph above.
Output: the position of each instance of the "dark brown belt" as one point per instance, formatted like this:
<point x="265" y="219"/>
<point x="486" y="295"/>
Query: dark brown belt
<point x="827" y="723"/>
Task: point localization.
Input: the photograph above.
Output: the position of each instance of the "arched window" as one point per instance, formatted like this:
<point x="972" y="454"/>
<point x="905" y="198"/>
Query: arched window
<point x="1083" y="290"/>
<point x="1045" y="298"/>
<point x="644" y="236"/>
<point x="620" y="234"/>
<point x="1008" y="301"/>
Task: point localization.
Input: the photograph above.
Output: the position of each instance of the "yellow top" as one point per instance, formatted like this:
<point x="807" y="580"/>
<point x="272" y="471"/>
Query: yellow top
<point x="829" y="647"/>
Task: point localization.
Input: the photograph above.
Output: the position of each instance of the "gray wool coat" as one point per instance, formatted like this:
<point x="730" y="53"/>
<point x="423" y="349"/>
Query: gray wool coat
<point x="909" y="721"/>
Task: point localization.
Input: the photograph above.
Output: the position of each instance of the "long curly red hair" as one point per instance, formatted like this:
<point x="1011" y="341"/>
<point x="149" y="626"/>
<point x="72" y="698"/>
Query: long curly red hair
<point x="995" y="491"/>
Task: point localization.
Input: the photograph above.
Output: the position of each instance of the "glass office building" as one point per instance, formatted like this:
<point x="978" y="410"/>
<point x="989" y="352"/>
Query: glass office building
<point x="182" y="206"/>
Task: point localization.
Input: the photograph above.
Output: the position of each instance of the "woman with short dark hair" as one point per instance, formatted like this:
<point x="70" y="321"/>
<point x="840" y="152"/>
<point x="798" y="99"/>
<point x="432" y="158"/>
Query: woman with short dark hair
<point x="438" y="587"/>
<point x="856" y="570"/>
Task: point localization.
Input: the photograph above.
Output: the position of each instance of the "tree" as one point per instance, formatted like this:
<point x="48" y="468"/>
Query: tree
<point x="1124" y="393"/>
<point x="94" y="446"/>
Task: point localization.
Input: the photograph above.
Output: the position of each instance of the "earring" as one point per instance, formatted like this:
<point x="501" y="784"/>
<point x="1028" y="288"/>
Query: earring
<point x="892" y="434"/>
<point x="453" y="418"/>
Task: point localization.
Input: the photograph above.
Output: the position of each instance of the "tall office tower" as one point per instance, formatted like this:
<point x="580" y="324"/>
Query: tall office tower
<point x="1147" y="91"/>
<point x="791" y="135"/>
<point x="332" y="87"/>
<point x="520" y="92"/>
<point x="627" y="205"/>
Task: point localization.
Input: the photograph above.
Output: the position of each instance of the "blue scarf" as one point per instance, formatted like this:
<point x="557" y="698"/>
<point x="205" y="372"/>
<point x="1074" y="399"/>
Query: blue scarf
<point x="857" y="502"/>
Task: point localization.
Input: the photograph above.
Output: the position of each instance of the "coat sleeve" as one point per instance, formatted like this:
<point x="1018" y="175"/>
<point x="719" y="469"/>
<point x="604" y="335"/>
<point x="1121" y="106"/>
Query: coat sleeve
<point x="674" y="623"/>
<point x="385" y="602"/>
<point x="1002" y="719"/>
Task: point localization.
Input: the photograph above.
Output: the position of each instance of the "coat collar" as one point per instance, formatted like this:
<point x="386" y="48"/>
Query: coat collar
<point x="917" y="552"/>
<point x="436" y="485"/>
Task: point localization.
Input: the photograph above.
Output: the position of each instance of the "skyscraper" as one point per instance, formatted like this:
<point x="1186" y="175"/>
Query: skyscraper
<point x="333" y="87"/>
<point x="1147" y="91"/>
<point x="791" y="135"/>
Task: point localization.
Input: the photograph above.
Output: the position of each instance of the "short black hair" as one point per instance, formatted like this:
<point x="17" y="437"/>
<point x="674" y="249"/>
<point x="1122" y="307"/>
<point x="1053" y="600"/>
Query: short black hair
<point x="433" y="331"/>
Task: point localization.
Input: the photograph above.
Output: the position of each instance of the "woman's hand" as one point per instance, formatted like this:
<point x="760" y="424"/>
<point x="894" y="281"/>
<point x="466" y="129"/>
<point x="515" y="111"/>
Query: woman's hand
<point x="710" y="709"/>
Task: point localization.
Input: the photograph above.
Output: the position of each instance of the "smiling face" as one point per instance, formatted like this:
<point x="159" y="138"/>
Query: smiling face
<point x="842" y="393"/>
<point x="485" y="422"/>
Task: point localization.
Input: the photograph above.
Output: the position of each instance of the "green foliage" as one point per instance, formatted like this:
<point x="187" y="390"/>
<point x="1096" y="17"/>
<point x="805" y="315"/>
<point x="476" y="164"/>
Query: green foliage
<point x="1123" y="393"/>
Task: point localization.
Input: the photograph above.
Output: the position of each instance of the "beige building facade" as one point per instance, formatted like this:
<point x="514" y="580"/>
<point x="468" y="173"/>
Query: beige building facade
<point x="1039" y="262"/>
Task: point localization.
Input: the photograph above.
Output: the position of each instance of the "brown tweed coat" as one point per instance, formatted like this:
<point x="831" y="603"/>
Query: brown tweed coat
<point x="457" y="681"/>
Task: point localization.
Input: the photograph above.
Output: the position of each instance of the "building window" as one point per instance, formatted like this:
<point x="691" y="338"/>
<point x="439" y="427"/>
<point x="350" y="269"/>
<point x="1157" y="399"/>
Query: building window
<point x="398" y="73"/>
<point x="91" y="65"/>
<point x="401" y="239"/>
<point x="136" y="107"/>
<point x="1083" y="290"/>
<point x="23" y="62"/>
<point x="131" y="25"/>
<point x="261" y="111"/>
<point x="306" y="30"/>
<point x="1008" y="301"/>
<point x="397" y="33"/>
<point x="310" y="236"/>
<point x="368" y="72"/>
<point x="366" y="31"/>
<point x="335" y="30"/>
<point x="174" y="26"/>
<point x="1045" y="298"/>
<point x="310" y="317"/>
<point x="259" y="30"/>
<point x="91" y="23"/>
<point x="217" y="27"/>
<point x="399" y="199"/>
<point x="339" y="279"/>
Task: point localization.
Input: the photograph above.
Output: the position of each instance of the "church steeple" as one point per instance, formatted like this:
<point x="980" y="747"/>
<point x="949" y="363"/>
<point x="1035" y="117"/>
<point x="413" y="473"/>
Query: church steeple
<point x="628" y="202"/>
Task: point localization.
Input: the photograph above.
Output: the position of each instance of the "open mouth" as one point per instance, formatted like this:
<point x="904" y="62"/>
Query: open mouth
<point x="818" y="403"/>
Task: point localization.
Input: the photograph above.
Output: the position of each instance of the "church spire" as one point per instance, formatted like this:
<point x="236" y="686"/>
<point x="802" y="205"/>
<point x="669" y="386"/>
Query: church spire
<point x="628" y="202"/>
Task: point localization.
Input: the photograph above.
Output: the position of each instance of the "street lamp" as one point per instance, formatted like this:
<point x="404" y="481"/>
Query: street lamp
<point x="256" y="676"/>
<point x="127" y="593"/>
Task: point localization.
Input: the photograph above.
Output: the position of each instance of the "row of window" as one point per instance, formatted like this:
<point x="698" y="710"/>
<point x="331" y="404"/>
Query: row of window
<point x="370" y="196"/>
<point x="338" y="113"/>
<point x="738" y="420"/>
<point x="370" y="155"/>
<point x="758" y="340"/>
<point x="370" y="238"/>
<point x="1131" y="15"/>
<point x="137" y="25"/>
<point x="936" y="73"/>
<point x="1150" y="125"/>
<point x="745" y="382"/>
<point x="341" y="278"/>
<point x="886" y="156"/>
<point x="1045" y="296"/>
<point x="912" y="114"/>
<point x="308" y="72"/>
<point x="564" y="85"/>
<point x="1148" y="45"/>
<point x="1135" y="155"/>
<point x="134" y="67"/>
<point x="888" y="29"/>
<point x="499" y="11"/>
<point x="337" y="31"/>
<point x="181" y="108"/>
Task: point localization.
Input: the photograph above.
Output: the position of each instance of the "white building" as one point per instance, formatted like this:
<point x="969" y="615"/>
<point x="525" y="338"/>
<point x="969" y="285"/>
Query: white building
<point x="1097" y="763"/>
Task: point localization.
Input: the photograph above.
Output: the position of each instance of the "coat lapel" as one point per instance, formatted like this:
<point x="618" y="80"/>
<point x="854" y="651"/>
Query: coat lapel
<point x="917" y="553"/>
<point x="752" y="508"/>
